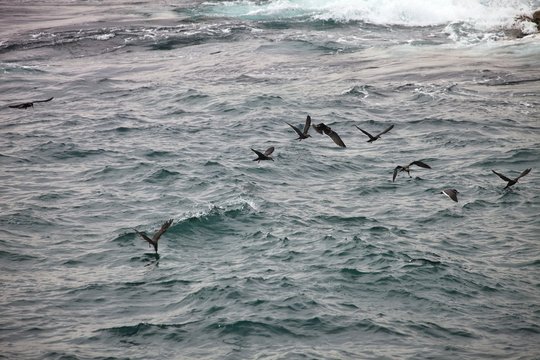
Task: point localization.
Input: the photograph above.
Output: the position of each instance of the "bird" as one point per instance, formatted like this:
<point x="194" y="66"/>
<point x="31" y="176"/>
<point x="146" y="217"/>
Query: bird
<point x="325" y="129"/>
<point x="451" y="193"/>
<point x="154" y="240"/>
<point x="512" y="181"/>
<point x="265" y="156"/>
<point x="29" y="104"/>
<point x="376" y="137"/>
<point x="302" y="134"/>
<point x="407" y="169"/>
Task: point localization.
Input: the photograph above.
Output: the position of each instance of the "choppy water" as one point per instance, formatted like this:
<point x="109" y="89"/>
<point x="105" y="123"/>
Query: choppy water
<point x="316" y="255"/>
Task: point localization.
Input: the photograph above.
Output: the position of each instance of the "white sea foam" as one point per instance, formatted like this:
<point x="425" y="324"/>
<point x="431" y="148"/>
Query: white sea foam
<point x="481" y="14"/>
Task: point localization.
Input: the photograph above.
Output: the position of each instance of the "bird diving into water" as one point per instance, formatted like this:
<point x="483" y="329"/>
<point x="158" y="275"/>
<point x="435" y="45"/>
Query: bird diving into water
<point x="29" y="104"/>
<point x="407" y="169"/>
<point x="325" y="129"/>
<point x="512" y="181"/>
<point x="451" y="193"/>
<point x="154" y="240"/>
<point x="265" y="156"/>
<point x="376" y="137"/>
<point x="302" y="134"/>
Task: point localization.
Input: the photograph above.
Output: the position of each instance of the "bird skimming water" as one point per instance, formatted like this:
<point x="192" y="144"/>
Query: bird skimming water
<point x="407" y="169"/>
<point x="29" y="104"/>
<point x="154" y="240"/>
<point x="302" y="134"/>
<point x="376" y="137"/>
<point x="512" y="181"/>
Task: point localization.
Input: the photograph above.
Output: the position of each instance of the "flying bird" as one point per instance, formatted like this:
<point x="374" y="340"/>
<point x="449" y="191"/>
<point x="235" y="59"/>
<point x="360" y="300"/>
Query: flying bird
<point x="302" y="134"/>
<point x="451" y="193"/>
<point x="265" y="156"/>
<point x="325" y="129"/>
<point x="376" y="137"/>
<point x="512" y="181"/>
<point x="407" y="169"/>
<point x="154" y="240"/>
<point x="29" y="104"/>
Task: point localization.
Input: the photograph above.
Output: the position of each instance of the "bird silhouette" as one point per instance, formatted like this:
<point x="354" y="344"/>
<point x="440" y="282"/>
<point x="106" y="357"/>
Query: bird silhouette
<point x="29" y="104"/>
<point x="265" y="155"/>
<point x="325" y="129"/>
<point x="154" y="240"/>
<point x="451" y="193"/>
<point x="376" y="137"/>
<point x="512" y="181"/>
<point x="407" y="169"/>
<point x="302" y="134"/>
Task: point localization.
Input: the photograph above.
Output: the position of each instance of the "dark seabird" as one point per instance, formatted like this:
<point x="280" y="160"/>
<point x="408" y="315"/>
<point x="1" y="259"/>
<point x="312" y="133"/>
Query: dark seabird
<point x="29" y="104"/>
<point x="265" y="156"/>
<point x="302" y="134"/>
<point x="451" y="193"/>
<point x="376" y="137"/>
<point x="407" y="168"/>
<point x="154" y="240"/>
<point x="325" y="129"/>
<point x="512" y="181"/>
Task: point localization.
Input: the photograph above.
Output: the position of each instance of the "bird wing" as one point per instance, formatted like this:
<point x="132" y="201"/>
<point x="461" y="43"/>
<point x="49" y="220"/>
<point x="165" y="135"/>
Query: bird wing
<point x="298" y="131"/>
<point x="269" y="151"/>
<point x="164" y="228"/>
<point x="525" y="172"/>
<point x="501" y="176"/>
<point x="21" y="106"/>
<point x="396" y="170"/>
<point x="387" y="130"/>
<point x="335" y="137"/>
<point x="451" y="193"/>
<point x="143" y="235"/>
<point x="421" y="164"/>
<point x="307" y="125"/>
<point x="259" y="154"/>
<point x="365" y="132"/>
<point x="49" y="99"/>
<point x="319" y="127"/>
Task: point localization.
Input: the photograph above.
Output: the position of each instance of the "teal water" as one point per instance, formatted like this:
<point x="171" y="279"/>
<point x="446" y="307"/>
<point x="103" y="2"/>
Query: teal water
<point x="315" y="255"/>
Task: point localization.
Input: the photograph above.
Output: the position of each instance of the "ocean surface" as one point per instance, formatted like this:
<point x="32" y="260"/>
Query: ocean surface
<point x="315" y="255"/>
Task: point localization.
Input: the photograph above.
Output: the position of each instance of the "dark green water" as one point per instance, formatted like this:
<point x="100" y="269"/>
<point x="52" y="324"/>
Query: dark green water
<point x="316" y="255"/>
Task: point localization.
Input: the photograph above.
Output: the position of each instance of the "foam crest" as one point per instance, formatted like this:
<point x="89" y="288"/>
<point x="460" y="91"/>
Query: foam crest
<point x="481" y="14"/>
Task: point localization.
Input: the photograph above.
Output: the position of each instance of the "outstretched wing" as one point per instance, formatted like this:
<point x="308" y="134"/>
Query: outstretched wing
<point x="451" y="193"/>
<point x="164" y="228"/>
<point x="387" y="130"/>
<point x="365" y="132"/>
<point x="298" y="131"/>
<point x="259" y="154"/>
<point x="307" y="125"/>
<point x="143" y="235"/>
<point x="21" y="106"/>
<point x="525" y="172"/>
<point x="421" y="164"/>
<point x="396" y="170"/>
<point x="49" y="99"/>
<point x="335" y="137"/>
<point x="269" y="151"/>
<point x="501" y="176"/>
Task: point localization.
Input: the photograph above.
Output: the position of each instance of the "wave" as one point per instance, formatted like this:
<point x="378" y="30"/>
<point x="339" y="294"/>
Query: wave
<point x="480" y="14"/>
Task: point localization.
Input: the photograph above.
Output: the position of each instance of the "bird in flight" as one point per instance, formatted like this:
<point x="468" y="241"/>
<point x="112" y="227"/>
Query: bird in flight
<point x="451" y="193"/>
<point x="154" y="240"/>
<point x="302" y="134"/>
<point x="325" y="129"/>
<point x="407" y="169"/>
<point x="512" y="181"/>
<point x="376" y="137"/>
<point x="29" y="104"/>
<point x="265" y="155"/>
